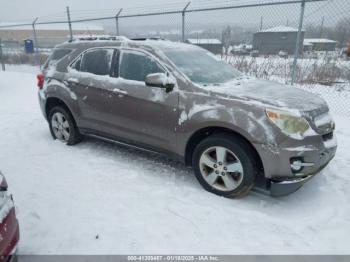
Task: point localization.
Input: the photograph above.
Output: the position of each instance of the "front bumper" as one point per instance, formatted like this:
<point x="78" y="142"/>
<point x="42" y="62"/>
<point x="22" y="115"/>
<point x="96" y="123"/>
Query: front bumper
<point x="280" y="178"/>
<point x="281" y="188"/>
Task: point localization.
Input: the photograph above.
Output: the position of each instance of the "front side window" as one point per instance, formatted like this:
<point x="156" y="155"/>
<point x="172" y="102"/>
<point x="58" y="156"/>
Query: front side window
<point x="201" y="66"/>
<point x="97" y="61"/>
<point x="76" y="64"/>
<point x="136" y="66"/>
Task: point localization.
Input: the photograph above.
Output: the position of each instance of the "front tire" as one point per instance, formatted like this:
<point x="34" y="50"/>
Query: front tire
<point x="225" y="165"/>
<point x="63" y="127"/>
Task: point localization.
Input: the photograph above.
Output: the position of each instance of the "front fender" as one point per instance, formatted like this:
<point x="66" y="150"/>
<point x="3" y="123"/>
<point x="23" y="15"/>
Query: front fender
<point x="246" y="120"/>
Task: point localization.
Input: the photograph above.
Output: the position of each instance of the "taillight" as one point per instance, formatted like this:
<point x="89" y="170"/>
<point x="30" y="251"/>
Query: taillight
<point x="40" y="79"/>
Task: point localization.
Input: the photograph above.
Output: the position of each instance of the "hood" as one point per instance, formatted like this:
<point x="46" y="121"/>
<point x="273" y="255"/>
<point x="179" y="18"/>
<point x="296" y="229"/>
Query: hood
<point x="270" y="94"/>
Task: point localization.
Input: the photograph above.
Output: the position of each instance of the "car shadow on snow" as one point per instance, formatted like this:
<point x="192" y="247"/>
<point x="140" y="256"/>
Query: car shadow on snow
<point x="311" y="192"/>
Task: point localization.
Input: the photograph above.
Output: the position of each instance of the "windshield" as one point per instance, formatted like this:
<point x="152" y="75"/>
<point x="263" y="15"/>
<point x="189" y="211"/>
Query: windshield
<point x="201" y="66"/>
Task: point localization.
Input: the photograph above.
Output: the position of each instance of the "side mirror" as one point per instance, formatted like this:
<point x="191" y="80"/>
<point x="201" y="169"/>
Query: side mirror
<point x="161" y="80"/>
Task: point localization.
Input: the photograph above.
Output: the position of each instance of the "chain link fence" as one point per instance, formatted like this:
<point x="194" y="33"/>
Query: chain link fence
<point x="257" y="37"/>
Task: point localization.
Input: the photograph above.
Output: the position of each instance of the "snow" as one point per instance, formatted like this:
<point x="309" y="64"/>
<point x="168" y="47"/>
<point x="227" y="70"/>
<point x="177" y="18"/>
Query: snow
<point x="318" y="40"/>
<point x="331" y="143"/>
<point x="61" y="27"/>
<point x="280" y="29"/>
<point x="203" y="41"/>
<point x="100" y="38"/>
<point x="122" y="92"/>
<point x="137" y="202"/>
<point x="256" y="91"/>
<point x="323" y="119"/>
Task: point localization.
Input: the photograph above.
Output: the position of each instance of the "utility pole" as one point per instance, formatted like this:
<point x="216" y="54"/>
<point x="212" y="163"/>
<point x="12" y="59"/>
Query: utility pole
<point x="261" y="23"/>
<point x="69" y="24"/>
<point x="321" y="29"/>
<point x="1" y="60"/>
<point x="183" y="21"/>
<point x="297" y="45"/>
<point x="36" y="44"/>
<point x="117" y="21"/>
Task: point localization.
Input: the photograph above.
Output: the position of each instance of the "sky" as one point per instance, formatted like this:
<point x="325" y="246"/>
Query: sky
<point x="26" y="10"/>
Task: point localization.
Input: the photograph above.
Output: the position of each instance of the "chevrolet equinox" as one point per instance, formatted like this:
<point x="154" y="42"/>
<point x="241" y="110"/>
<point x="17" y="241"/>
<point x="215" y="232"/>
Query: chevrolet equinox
<point x="179" y="99"/>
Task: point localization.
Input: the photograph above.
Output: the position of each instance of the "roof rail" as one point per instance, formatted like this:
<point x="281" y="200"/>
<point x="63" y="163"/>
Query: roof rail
<point x="147" y="38"/>
<point x="99" y="38"/>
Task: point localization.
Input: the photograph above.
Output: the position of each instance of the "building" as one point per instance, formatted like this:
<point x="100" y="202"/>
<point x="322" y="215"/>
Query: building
<point x="211" y="44"/>
<point x="281" y="38"/>
<point x="320" y="44"/>
<point x="47" y="35"/>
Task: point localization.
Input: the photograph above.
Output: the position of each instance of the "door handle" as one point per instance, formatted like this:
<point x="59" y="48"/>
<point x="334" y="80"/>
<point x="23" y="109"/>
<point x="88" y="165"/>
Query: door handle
<point x="73" y="80"/>
<point x="121" y="92"/>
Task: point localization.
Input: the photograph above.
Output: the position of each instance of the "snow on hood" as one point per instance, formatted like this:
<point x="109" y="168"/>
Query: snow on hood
<point x="269" y="93"/>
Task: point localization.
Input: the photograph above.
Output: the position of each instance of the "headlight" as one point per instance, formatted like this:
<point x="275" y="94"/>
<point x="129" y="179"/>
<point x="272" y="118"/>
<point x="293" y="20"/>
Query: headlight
<point x="290" y="123"/>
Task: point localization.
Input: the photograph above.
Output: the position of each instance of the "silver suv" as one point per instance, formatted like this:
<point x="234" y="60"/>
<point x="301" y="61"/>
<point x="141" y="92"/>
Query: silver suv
<point x="178" y="99"/>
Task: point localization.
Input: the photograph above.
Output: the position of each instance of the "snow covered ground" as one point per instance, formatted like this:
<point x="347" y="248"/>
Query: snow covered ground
<point x="102" y="198"/>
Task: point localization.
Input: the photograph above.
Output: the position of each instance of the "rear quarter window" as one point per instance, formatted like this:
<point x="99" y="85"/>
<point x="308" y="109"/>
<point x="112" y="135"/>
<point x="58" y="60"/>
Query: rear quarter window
<point x="56" y="56"/>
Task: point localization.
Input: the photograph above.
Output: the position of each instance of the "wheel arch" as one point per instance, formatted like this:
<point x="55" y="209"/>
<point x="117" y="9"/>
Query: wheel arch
<point x="51" y="102"/>
<point x="202" y="133"/>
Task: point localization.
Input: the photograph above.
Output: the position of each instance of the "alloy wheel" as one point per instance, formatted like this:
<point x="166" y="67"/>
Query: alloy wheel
<point x="221" y="168"/>
<point x="60" y="127"/>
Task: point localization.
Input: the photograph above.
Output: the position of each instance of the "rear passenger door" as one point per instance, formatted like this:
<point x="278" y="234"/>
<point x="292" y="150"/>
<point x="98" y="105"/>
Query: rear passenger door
<point x="90" y="81"/>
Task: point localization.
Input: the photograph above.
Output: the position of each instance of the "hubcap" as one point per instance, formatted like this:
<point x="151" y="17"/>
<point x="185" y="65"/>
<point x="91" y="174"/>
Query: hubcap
<point x="221" y="168"/>
<point x="60" y="127"/>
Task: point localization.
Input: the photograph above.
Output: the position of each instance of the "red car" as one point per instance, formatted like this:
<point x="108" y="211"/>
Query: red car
<point x="9" y="229"/>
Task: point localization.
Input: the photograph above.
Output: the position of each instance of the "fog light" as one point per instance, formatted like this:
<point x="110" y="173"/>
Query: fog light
<point x="298" y="164"/>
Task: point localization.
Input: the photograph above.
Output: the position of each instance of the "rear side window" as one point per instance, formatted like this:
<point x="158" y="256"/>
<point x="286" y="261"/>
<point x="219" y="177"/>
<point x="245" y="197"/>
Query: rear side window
<point x="136" y="66"/>
<point x="97" y="61"/>
<point x="56" y="56"/>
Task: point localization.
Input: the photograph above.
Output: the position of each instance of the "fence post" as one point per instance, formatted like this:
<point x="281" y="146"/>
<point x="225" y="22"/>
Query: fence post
<point x="183" y="22"/>
<point x="69" y="24"/>
<point x="36" y="44"/>
<point x="322" y="24"/>
<point x="1" y="60"/>
<point x="297" y="45"/>
<point x="117" y="21"/>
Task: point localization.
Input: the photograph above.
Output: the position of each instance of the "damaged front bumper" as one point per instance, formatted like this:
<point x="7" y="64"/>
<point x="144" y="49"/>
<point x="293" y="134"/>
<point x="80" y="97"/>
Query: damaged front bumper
<point x="281" y="188"/>
<point x="296" y="165"/>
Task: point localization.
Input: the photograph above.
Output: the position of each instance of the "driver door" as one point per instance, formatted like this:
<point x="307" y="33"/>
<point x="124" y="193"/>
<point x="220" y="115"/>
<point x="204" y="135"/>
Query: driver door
<point x="148" y="114"/>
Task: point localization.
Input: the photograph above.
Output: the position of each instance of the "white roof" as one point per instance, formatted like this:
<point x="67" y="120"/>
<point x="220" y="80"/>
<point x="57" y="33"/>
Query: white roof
<point x="204" y="41"/>
<point x="54" y="27"/>
<point x="307" y="44"/>
<point x="318" y="40"/>
<point x="242" y="46"/>
<point x="281" y="29"/>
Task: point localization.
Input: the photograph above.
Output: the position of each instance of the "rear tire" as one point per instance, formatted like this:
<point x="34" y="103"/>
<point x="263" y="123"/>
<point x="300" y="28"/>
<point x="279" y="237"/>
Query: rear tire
<point x="225" y="165"/>
<point x="63" y="127"/>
